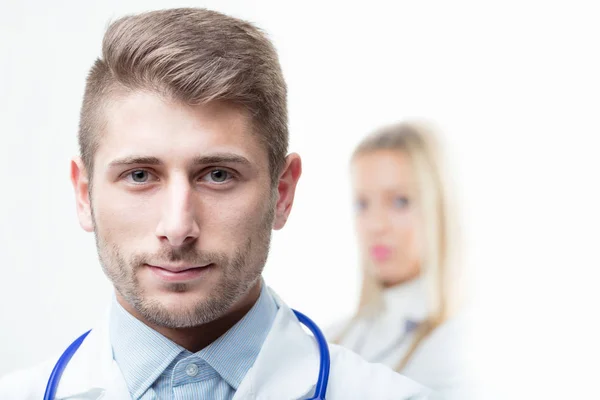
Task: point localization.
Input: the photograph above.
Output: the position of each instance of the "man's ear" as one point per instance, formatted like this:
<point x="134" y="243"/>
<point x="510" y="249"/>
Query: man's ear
<point x="286" y="188"/>
<point x="80" y="181"/>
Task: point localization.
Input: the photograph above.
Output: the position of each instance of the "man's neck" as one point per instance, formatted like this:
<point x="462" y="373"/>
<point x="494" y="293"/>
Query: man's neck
<point x="196" y="338"/>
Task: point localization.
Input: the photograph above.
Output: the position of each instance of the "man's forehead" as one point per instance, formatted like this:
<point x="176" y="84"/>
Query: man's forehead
<point x="137" y="107"/>
<point x="146" y="125"/>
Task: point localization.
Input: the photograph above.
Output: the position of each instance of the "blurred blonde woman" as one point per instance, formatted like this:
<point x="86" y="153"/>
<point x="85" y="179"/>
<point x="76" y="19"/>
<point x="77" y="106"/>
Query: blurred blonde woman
<point x="405" y="230"/>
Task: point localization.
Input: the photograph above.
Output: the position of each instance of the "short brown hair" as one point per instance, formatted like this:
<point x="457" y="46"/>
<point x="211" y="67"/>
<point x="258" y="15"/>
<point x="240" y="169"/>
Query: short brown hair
<point x="194" y="56"/>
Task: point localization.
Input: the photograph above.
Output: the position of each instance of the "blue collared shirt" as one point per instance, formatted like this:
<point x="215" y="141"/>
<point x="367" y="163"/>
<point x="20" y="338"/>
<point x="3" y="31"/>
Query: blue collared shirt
<point x="154" y="367"/>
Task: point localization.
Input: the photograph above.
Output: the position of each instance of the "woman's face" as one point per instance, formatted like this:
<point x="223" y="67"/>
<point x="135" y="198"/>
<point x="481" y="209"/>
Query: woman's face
<point x="387" y="219"/>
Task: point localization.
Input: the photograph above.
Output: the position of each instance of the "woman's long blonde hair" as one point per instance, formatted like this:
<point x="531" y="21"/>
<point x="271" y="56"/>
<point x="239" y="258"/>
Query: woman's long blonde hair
<point x="416" y="140"/>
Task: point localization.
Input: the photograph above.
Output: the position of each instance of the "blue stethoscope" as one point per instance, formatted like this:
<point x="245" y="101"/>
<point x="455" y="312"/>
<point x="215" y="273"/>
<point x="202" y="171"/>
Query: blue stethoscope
<point x="320" y="389"/>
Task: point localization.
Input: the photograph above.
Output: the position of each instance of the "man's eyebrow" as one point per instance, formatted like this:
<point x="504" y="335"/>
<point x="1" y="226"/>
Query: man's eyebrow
<point x="134" y="160"/>
<point x="216" y="158"/>
<point x="219" y="158"/>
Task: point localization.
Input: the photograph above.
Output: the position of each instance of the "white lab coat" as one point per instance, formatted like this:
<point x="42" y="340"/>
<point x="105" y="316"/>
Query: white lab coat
<point x="441" y="362"/>
<point x="286" y="368"/>
<point x="381" y="337"/>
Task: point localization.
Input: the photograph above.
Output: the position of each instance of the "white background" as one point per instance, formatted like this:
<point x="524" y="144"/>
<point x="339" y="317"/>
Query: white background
<point x="514" y="86"/>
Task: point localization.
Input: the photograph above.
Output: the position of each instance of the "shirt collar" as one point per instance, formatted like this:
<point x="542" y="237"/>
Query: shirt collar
<point x="144" y="354"/>
<point x="234" y="353"/>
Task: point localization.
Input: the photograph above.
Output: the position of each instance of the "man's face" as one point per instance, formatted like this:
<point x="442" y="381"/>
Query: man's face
<point x="181" y="206"/>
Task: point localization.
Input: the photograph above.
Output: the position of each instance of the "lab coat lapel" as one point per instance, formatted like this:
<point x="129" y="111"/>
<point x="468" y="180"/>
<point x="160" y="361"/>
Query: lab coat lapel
<point x="287" y="367"/>
<point x="92" y="373"/>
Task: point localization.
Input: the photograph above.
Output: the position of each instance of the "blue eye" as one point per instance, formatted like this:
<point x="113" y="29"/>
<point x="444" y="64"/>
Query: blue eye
<point x="139" y="176"/>
<point x="218" y="176"/>
<point x="401" y="202"/>
<point x="360" y="205"/>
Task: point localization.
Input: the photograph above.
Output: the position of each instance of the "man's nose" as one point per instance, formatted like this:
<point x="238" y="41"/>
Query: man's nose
<point x="178" y="224"/>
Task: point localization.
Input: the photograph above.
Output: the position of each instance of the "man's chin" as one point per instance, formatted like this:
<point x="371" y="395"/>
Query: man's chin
<point x="183" y="309"/>
<point x="176" y="301"/>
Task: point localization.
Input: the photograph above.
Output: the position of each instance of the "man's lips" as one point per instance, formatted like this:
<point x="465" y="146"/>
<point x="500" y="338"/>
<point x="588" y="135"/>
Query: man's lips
<point x="176" y="268"/>
<point x="179" y="273"/>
